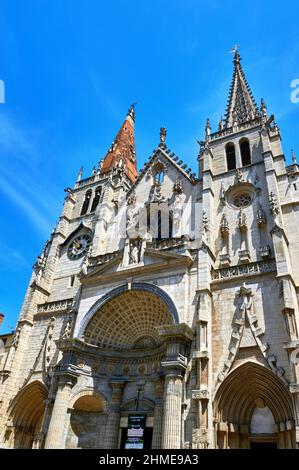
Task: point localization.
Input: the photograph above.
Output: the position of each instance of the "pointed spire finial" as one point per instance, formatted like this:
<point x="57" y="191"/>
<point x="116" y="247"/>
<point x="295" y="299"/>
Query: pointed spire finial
<point x="131" y="111"/>
<point x="80" y="174"/>
<point x="163" y="132"/>
<point x="294" y="160"/>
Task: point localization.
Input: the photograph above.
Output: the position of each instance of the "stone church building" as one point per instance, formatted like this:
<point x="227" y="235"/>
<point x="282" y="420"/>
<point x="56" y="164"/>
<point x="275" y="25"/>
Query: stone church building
<point x="163" y="310"/>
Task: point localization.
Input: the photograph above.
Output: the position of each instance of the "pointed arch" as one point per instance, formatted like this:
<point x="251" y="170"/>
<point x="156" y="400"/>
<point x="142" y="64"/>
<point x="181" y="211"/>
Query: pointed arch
<point x="26" y="414"/>
<point x="230" y="156"/>
<point x="245" y="151"/>
<point x="235" y="402"/>
<point x="86" y="202"/>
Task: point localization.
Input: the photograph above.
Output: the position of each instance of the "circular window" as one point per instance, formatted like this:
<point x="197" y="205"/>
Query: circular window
<point x="240" y="195"/>
<point x="242" y="200"/>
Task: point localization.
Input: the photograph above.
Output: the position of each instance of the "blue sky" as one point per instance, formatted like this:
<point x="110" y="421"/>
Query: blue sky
<point x="71" y="70"/>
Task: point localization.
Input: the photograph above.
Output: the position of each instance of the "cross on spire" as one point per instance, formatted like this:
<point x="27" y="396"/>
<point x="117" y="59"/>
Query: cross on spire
<point x="235" y="51"/>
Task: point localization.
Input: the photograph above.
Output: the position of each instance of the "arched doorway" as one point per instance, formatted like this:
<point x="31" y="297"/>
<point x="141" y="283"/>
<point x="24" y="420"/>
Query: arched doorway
<point x="88" y="417"/>
<point x="123" y="330"/>
<point x="26" y="416"/>
<point x="253" y="408"/>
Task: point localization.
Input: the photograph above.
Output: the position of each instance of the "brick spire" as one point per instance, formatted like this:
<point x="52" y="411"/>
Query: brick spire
<point x="241" y="106"/>
<point x="122" y="152"/>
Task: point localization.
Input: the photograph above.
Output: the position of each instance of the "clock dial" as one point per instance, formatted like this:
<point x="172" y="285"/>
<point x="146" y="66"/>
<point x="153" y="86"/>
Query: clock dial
<point x="79" y="246"/>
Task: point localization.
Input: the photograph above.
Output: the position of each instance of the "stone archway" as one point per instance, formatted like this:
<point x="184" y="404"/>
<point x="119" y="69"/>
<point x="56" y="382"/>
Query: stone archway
<point x="88" y="417"/>
<point x="129" y="321"/>
<point x="141" y="288"/>
<point x="247" y="388"/>
<point x="25" y="417"/>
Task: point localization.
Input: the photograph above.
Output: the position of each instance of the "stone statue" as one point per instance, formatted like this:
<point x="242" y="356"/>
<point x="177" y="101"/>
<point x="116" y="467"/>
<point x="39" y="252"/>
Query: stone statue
<point x="68" y="328"/>
<point x="134" y="252"/>
<point x="16" y="338"/>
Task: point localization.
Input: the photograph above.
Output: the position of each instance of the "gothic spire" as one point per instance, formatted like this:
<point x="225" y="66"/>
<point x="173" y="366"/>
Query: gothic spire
<point x="122" y="153"/>
<point x="241" y="106"/>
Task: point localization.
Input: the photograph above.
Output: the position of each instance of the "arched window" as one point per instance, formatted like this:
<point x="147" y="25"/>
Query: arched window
<point x="96" y="199"/>
<point x="245" y="152"/>
<point x="86" y="201"/>
<point x="160" y="177"/>
<point x="230" y="156"/>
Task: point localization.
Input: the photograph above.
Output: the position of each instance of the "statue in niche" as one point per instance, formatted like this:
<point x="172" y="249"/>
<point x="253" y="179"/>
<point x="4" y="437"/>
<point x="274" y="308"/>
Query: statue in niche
<point x="134" y="251"/>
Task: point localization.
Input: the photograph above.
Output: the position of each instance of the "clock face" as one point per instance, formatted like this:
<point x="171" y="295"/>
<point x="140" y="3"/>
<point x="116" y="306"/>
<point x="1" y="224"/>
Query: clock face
<point x="79" y="246"/>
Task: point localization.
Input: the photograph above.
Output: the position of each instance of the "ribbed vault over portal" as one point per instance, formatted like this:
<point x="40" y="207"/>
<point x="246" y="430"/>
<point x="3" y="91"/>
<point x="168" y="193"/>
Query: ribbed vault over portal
<point x="128" y="321"/>
<point x="235" y="398"/>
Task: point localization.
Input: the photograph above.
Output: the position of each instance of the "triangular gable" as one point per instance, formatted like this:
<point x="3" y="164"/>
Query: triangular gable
<point x="165" y="152"/>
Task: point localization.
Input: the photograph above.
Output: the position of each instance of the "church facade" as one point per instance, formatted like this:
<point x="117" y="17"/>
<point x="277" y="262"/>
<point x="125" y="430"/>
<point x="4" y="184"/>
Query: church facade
<point x="163" y="310"/>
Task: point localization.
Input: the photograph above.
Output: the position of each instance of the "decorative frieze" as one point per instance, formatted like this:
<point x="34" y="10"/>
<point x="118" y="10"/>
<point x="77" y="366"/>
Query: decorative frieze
<point x="57" y="306"/>
<point x="244" y="270"/>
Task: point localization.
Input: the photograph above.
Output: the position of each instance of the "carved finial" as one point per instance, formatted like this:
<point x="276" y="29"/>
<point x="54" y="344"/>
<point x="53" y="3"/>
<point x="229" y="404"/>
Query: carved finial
<point x="178" y="187"/>
<point x="131" y="111"/>
<point x="94" y="171"/>
<point x="208" y="129"/>
<point x="294" y="160"/>
<point x="239" y="177"/>
<point x="274" y="209"/>
<point x="100" y="165"/>
<point x="80" y="174"/>
<point x="163" y="132"/>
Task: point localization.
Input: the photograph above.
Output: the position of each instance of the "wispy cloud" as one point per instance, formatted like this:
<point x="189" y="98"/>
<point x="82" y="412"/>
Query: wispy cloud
<point x="21" y="180"/>
<point x="41" y="223"/>
<point x="12" y="257"/>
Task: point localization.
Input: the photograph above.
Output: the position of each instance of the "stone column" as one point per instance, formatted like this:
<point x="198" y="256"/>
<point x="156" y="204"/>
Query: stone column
<point x="113" y="421"/>
<point x="176" y="338"/>
<point x="172" y="416"/>
<point x="158" y="415"/>
<point x="54" y="438"/>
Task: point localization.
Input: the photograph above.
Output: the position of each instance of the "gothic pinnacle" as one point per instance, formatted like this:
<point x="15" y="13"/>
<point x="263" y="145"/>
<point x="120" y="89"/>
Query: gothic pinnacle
<point x="80" y="174"/>
<point x="294" y="160"/>
<point x="208" y="129"/>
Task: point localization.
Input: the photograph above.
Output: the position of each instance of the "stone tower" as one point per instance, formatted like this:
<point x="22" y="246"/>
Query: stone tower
<point x="166" y="299"/>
